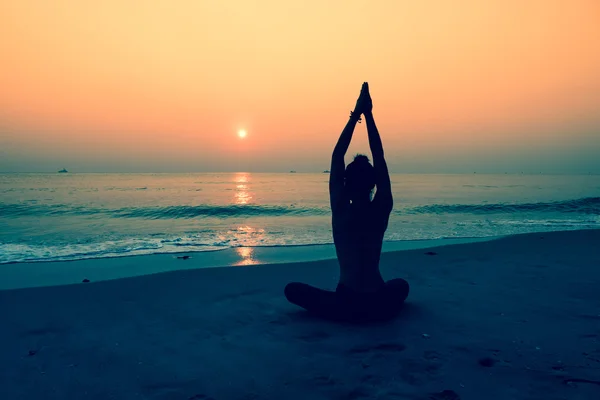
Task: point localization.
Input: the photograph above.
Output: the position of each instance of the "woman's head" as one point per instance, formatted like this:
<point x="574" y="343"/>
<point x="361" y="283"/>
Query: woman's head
<point x="360" y="177"/>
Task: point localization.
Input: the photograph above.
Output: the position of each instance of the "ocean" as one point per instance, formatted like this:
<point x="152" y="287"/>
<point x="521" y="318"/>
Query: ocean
<point x="51" y="217"/>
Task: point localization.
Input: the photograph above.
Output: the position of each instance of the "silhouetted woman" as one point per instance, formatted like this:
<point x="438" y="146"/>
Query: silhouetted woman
<point x="359" y="224"/>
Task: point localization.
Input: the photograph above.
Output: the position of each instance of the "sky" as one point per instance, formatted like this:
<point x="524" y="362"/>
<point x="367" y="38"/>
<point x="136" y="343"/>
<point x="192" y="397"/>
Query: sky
<point x="166" y="85"/>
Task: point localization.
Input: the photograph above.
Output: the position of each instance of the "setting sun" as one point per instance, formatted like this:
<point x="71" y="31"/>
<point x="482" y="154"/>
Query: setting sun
<point x="242" y="133"/>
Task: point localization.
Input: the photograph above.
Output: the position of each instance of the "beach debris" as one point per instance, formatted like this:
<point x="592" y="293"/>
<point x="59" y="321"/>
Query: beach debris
<point x="32" y="353"/>
<point x="86" y="280"/>
<point x="431" y="253"/>
<point x="183" y="257"/>
<point x="445" y="395"/>
<point x="487" y="362"/>
<point x="426" y="336"/>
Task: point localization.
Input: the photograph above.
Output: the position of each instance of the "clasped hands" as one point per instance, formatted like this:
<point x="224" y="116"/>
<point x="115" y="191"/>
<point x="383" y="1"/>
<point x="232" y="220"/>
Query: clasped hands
<point x="364" y="104"/>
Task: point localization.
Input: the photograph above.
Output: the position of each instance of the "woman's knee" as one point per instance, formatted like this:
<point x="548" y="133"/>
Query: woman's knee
<point x="398" y="288"/>
<point x="293" y="291"/>
<point x="289" y="290"/>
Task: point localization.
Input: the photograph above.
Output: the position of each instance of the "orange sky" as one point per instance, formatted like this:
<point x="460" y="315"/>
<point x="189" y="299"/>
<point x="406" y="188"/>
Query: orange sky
<point x="163" y="85"/>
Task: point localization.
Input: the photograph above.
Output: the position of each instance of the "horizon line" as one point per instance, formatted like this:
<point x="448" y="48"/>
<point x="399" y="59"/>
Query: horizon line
<point x="294" y="172"/>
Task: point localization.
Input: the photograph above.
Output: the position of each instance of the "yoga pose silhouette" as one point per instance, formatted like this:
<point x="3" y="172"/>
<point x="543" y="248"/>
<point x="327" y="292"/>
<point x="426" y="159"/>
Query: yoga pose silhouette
<point x="359" y="222"/>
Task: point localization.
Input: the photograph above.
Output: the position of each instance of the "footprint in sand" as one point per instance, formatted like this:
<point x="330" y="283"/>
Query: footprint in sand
<point x="416" y="372"/>
<point x="487" y="362"/>
<point x="384" y="347"/>
<point x="445" y="395"/>
<point x="323" y="380"/>
<point x="570" y="381"/>
<point x="431" y="355"/>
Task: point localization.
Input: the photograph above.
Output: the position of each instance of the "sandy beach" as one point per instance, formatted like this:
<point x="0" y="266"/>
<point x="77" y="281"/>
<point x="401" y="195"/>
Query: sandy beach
<point x="513" y="318"/>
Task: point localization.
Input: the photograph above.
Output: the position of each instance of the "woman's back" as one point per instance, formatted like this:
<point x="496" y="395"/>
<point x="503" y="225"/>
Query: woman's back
<point x="358" y="236"/>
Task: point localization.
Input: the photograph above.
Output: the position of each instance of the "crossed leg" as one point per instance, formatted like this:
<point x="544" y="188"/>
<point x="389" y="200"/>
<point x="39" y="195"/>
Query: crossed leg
<point x="347" y="305"/>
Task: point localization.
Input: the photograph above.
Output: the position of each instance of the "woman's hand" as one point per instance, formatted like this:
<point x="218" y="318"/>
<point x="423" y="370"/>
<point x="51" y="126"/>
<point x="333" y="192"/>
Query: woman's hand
<point x="364" y="104"/>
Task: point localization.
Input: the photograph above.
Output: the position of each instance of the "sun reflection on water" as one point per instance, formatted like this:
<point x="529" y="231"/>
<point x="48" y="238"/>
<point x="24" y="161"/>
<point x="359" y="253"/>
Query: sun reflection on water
<point x="244" y="234"/>
<point x="247" y="256"/>
<point x="242" y="194"/>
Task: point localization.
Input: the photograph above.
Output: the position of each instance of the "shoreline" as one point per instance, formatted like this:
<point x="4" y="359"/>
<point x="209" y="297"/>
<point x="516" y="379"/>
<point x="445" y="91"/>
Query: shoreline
<point x="513" y="318"/>
<point x="52" y="273"/>
<point x="388" y="245"/>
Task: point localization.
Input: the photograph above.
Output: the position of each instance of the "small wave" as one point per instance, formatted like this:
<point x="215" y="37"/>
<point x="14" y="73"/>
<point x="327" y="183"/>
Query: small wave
<point x="169" y="212"/>
<point x="588" y="205"/>
<point x="120" y="247"/>
<point x="24" y="210"/>
<point x="214" y="211"/>
<point x="566" y="223"/>
<point x="16" y="253"/>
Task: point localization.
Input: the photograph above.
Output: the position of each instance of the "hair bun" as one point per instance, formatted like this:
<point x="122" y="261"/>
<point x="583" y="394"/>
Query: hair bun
<point x="361" y="159"/>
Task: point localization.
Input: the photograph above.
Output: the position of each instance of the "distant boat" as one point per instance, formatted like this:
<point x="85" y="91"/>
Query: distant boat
<point x="292" y="172"/>
<point x="326" y="171"/>
<point x="63" y="171"/>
